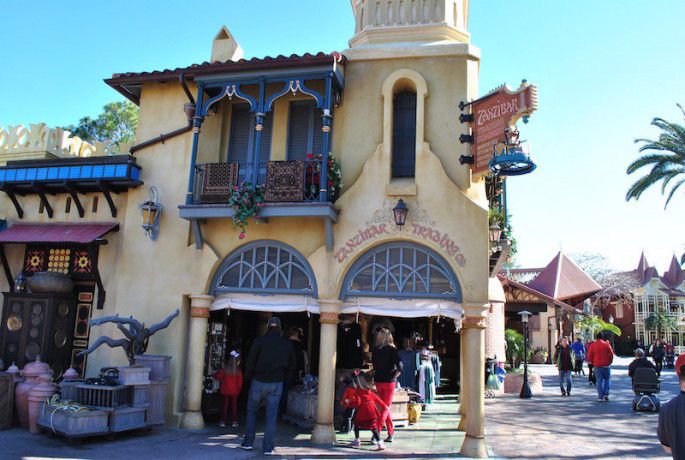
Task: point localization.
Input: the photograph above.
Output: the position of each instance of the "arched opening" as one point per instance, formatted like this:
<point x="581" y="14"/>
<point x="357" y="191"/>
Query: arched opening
<point x="404" y="134"/>
<point x="265" y="267"/>
<point x="401" y="270"/>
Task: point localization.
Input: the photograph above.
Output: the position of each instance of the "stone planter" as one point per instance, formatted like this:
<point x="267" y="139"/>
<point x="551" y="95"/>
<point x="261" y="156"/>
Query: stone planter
<point x="159" y="365"/>
<point x="51" y="282"/>
<point x="514" y="382"/>
<point x="134" y="375"/>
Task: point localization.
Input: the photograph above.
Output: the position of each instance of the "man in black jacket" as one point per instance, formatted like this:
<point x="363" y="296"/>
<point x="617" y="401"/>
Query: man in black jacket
<point x="671" y="429"/>
<point x="270" y="362"/>
<point x="638" y="362"/>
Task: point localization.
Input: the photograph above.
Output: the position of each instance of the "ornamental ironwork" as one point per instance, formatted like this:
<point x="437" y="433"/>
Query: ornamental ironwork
<point x="401" y="270"/>
<point x="265" y="267"/>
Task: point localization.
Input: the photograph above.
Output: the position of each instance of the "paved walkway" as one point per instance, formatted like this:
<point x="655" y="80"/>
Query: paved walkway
<point x="550" y="426"/>
<point x="433" y="437"/>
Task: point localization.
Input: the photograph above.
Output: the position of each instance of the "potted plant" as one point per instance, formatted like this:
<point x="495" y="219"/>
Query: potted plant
<point x="246" y="202"/>
<point x="334" y="175"/>
<point x="539" y="355"/>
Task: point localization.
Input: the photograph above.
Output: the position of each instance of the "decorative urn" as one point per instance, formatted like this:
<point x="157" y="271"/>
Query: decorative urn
<point x="31" y="372"/>
<point x="40" y="392"/>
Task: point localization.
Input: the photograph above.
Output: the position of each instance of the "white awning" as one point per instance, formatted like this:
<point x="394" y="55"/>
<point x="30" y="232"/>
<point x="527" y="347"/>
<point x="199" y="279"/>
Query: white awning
<point x="407" y="308"/>
<point x="279" y="303"/>
<point x="286" y="303"/>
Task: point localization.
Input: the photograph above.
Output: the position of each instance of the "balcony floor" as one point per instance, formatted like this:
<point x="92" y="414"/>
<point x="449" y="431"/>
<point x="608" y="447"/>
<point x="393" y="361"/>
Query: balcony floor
<point x="200" y="211"/>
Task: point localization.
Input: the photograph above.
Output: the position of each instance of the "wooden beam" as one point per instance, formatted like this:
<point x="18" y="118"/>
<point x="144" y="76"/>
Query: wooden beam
<point x="106" y="191"/>
<point x="6" y="268"/>
<point x="75" y="199"/>
<point x="17" y="206"/>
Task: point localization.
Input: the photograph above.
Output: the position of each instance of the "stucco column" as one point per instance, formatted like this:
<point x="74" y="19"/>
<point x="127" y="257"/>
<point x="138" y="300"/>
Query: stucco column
<point x="473" y="327"/>
<point x="463" y="366"/>
<point x="191" y="419"/>
<point x="324" y="432"/>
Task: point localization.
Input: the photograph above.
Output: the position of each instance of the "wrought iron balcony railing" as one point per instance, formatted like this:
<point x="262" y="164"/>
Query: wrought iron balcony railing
<point x="284" y="181"/>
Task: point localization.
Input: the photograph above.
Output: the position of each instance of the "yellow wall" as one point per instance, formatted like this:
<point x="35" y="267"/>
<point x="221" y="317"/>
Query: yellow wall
<point x="150" y="279"/>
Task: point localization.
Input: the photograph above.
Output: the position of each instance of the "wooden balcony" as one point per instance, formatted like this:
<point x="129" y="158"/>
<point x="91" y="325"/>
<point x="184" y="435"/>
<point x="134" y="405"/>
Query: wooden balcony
<point x="291" y="190"/>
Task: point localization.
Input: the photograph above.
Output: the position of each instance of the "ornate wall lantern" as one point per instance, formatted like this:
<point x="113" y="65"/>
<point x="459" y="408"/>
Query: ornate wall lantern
<point x="151" y="210"/>
<point x="400" y="212"/>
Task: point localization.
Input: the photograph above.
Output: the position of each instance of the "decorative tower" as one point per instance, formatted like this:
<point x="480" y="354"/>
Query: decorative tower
<point x="225" y="47"/>
<point x="409" y="21"/>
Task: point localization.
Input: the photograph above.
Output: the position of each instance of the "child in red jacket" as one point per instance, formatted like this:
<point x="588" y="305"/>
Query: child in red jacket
<point x="230" y="383"/>
<point x="370" y="410"/>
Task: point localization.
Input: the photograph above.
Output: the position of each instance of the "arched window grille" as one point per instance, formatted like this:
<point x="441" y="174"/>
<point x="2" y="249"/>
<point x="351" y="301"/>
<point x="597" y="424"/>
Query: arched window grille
<point x="265" y="267"/>
<point x="401" y="270"/>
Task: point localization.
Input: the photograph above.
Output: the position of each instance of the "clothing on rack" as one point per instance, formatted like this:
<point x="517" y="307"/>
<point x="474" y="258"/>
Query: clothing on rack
<point x="437" y="364"/>
<point x="426" y="382"/>
<point x="349" y="347"/>
<point x="409" y="360"/>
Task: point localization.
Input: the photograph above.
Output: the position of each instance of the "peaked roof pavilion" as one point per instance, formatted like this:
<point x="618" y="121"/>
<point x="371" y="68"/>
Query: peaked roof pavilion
<point x="563" y="280"/>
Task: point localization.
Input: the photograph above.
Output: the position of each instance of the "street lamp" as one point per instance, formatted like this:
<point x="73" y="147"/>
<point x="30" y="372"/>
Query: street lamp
<point x="525" y="388"/>
<point x="495" y="233"/>
<point x="611" y="321"/>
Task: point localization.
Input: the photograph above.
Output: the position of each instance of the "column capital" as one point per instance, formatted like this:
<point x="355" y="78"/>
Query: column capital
<point x="473" y="322"/>
<point x="329" y="317"/>
<point x="200" y="304"/>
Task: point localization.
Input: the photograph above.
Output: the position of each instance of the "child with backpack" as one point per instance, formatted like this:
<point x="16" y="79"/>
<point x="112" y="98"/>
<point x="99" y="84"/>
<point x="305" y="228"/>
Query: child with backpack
<point x="369" y="409"/>
<point x="230" y="383"/>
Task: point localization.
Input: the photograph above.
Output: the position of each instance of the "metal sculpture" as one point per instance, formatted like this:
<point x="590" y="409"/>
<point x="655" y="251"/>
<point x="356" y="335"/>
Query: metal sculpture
<point x="137" y="335"/>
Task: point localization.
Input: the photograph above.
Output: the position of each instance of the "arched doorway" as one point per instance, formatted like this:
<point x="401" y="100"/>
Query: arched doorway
<point x="412" y="290"/>
<point x="258" y="280"/>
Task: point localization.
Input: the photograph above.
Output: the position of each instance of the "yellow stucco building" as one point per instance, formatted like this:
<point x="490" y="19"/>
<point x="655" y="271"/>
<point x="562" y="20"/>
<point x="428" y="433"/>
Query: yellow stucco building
<point x="387" y="110"/>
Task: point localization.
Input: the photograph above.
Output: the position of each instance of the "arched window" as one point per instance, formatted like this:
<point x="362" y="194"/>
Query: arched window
<point x="266" y="267"/>
<point x="404" y="134"/>
<point x="401" y="270"/>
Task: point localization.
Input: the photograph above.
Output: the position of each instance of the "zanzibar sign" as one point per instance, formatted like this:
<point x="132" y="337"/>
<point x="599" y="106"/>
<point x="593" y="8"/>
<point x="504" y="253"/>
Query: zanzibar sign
<point x="493" y="114"/>
<point x="376" y="227"/>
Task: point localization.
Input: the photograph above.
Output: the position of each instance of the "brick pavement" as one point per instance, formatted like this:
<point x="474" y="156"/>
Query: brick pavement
<point x="433" y="437"/>
<point x="550" y="426"/>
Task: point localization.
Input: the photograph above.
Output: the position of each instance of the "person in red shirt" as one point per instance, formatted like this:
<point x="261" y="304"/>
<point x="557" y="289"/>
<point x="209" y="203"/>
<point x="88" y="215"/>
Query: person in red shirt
<point x="369" y="409"/>
<point x="230" y="383"/>
<point x="601" y="355"/>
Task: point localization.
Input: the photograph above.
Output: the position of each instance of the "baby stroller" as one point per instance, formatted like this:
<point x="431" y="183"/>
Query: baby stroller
<point x="646" y="386"/>
<point x="669" y="358"/>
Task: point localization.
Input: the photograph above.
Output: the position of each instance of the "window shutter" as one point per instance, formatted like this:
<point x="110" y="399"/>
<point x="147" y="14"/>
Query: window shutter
<point x="239" y="145"/>
<point x="304" y="130"/>
<point x="404" y="135"/>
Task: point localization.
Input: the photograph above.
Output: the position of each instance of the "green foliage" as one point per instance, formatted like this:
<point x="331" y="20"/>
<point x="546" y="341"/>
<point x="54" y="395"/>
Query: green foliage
<point x="246" y="202"/>
<point x="515" y="345"/>
<point x="660" y="322"/>
<point x="666" y="158"/>
<point x="116" y="123"/>
<point x="495" y="214"/>
<point x="333" y="173"/>
<point x="594" y="324"/>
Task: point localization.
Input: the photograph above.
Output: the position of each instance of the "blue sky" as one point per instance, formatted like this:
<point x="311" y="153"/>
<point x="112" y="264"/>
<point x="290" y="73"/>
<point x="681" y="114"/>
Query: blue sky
<point x="604" y="69"/>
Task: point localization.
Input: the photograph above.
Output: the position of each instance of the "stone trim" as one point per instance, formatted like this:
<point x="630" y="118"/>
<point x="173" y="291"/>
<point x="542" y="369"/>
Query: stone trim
<point x="199" y="312"/>
<point x="473" y="322"/>
<point x="328" y="317"/>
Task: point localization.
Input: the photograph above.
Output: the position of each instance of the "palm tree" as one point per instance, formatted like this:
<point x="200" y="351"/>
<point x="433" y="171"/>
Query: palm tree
<point x="666" y="157"/>
<point x="594" y="324"/>
<point x="660" y="322"/>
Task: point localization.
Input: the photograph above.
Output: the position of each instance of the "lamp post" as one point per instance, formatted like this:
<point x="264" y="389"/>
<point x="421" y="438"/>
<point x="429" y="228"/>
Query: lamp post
<point x="611" y="321"/>
<point x="525" y="388"/>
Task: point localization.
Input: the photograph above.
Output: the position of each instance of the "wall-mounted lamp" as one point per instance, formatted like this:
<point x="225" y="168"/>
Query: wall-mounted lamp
<point x="151" y="210"/>
<point x="400" y="212"/>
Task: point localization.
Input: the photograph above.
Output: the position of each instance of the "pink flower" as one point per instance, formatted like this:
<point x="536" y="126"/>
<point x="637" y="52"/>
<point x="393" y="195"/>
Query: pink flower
<point x="236" y="188"/>
<point x="242" y="235"/>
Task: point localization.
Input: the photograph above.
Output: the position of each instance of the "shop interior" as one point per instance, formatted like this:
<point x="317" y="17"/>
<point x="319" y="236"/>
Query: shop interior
<point x="235" y="330"/>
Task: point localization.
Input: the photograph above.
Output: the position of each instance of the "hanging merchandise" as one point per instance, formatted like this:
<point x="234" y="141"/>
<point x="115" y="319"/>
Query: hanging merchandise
<point x="426" y="378"/>
<point x="408" y="356"/>
<point x="349" y="346"/>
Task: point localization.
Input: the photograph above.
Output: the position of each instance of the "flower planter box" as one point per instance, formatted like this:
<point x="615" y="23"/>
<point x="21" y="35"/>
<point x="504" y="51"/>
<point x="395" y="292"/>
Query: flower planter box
<point x="156" y="400"/>
<point x="73" y="424"/>
<point x="159" y="365"/>
<point x="514" y="382"/>
<point x="128" y="418"/>
<point x="134" y="375"/>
